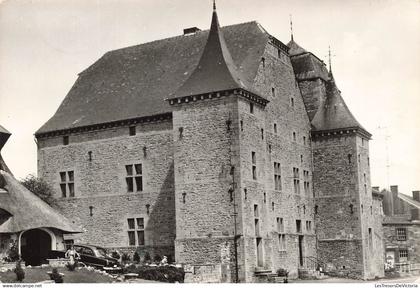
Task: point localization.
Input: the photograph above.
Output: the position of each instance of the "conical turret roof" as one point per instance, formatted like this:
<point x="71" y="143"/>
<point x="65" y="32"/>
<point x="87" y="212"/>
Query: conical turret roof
<point x="294" y="48"/>
<point x="4" y="135"/>
<point x="216" y="70"/>
<point x="334" y="113"/>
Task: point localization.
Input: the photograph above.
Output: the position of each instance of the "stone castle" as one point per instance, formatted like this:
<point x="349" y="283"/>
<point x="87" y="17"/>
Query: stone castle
<point x="225" y="149"/>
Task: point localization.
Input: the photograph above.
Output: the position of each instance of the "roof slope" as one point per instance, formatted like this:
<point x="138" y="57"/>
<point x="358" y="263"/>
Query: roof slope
<point x="216" y="70"/>
<point x="334" y="113"/>
<point x="4" y="136"/>
<point x="28" y="211"/>
<point x="409" y="200"/>
<point x="138" y="79"/>
<point x="295" y="49"/>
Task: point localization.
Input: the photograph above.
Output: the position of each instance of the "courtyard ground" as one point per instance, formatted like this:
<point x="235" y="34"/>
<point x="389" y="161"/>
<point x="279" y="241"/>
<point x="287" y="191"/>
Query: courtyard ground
<point x="406" y="279"/>
<point x="38" y="274"/>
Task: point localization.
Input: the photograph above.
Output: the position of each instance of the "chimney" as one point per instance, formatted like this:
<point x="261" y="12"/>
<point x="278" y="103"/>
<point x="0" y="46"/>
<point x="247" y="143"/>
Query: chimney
<point x="191" y="30"/>
<point x="416" y="195"/>
<point x="394" y="199"/>
<point x="375" y="188"/>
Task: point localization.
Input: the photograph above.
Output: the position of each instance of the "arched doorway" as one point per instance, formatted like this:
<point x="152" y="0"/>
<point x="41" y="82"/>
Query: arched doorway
<point x="35" y="247"/>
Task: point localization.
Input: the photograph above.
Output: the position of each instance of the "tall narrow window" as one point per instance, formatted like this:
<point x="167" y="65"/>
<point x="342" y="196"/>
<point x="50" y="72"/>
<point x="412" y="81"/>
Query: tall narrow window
<point x="275" y="128"/>
<point x="280" y="225"/>
<point x="306" y="183"/>
<point x="262" y="133"/>
<point x="254" y="165"/>
<point x="256" y="221"/>
<point x="292" y="102"/>
<point x="370" y="237"/>
<point x="67" y="184"/>
<point x="251" y="108"/>
<point x="298" y="226"/>
<point x="65" y="140"/>
<point x="135" y="231"/>
<point x="132" y="130"/>
<point x="296" y="181"/>
<point x="134" y="178"/>
<point x="263" y="61"/>
<point x="277" y="176"/>
<point x="273" y="92"/>
<point x="304" y="140"/>
<point x="294" y="136"/>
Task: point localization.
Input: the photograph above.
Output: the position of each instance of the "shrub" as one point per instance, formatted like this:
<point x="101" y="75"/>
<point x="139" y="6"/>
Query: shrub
<point x="157" y="258"/>
<point x="147" y="258"/>
<point x="12" y="254"/>
<point x="71" y="266"/>
<point x="20" y="274"/>
<point x="56" y="276"/>
<point x="125" y="257"/>
<point x="169" y="274"/>
<point x="281" y="272"/>
<point x="115" y="255"/>
<point x="136" y="257"/>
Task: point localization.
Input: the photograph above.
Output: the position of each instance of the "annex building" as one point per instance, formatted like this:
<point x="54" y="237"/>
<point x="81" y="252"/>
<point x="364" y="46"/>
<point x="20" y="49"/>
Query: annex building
<point x="225" y="149"/>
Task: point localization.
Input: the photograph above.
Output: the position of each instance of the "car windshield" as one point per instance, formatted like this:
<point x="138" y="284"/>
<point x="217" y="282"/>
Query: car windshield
<point x="101" y="251"/>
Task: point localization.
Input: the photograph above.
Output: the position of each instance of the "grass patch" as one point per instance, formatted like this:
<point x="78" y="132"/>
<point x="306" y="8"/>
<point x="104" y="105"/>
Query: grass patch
<point x="33" y="275"/>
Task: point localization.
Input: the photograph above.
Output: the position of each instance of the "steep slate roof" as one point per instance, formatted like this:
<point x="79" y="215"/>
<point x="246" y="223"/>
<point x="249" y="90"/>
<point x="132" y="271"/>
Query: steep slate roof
<point x="4" y="136"/>
<point x="334" y="113"/>
<point x="216" y="70"/>
<point x="295" y="49"/>
<point x="134" y="82"/>
<point x="28" y="211"/>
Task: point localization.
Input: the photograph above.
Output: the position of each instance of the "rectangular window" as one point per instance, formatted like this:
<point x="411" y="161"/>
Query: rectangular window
<point x="254" y="165"/>
<point x="135" y="231"/>
<point x="298" y="226"/>
<point x="306" y="183"/>
<point x="280" y="225"/>
<point x="251" y="108"/>
<point x="403" y="253"/>
<point x="256" y="221"/>
<point x="132" y="130"/>
<point x="370" y="237"/>
<point x="296" y="181"/>
<point x="282" y="242"/>
<point x="401" y="234"/>
<point x="304" y="140"/>
<point x="294" y="136"/>
<point x="273" y="92"/>
<point x="66" y="140"/>
<point x="67" y="184"/>
<point x="134" y="177"/>
<point x="275" y="128"/>
<point x="277" y="176"/>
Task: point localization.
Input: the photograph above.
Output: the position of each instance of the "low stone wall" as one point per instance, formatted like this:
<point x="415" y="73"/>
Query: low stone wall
<point x="59" y="262"/>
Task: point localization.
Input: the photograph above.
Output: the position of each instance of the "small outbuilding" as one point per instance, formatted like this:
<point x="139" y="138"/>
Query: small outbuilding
<point x="27" y="223"/>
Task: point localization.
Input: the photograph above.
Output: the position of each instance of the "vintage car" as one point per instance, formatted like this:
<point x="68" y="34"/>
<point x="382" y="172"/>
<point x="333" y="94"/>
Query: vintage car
<point x="90" y="255"/>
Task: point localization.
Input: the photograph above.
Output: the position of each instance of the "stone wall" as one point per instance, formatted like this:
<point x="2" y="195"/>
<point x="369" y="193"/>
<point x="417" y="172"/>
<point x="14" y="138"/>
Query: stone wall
<point x="411" y="244"/>
<point x="205" y="144"/>
<point x="102" y="203"/>
<point x="269" y="132"/>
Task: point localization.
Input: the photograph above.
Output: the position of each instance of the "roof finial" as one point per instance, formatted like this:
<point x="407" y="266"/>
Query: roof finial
<point x="214" y="5"/>
<point x="291" y="26"/>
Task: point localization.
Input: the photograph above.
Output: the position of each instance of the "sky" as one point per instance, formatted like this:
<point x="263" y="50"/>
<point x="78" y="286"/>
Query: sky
<point x="376" y="63"/>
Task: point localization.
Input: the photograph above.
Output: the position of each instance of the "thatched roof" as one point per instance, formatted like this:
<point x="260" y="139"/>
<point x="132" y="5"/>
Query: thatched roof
<point x="28" y="210"/>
